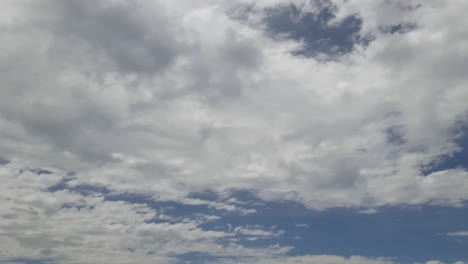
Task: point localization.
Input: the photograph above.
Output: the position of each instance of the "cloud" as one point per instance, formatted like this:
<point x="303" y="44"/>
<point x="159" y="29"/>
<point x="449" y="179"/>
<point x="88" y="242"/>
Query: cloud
<point x="204" y="101"/>
<point x="438" y="262"/>
<point x="69" y="227"/>
<point x="325" y="259"/>
<point x="168" y="98"/>
<point x="458" y="233"/>
<point x="207" y="102"/>
<point x="120" y="35"/>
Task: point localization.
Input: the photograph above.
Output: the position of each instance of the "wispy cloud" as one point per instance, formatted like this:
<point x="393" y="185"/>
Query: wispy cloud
<point x="458" y="233"/>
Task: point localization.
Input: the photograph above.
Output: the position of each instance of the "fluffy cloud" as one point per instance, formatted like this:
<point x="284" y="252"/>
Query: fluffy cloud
<point x="167" y="98"/>
<point x="71" y="227"/>
<point x="129" y="97"/>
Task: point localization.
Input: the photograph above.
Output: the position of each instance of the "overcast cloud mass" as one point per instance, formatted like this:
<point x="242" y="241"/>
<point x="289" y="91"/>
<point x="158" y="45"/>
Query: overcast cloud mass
<point x="154" y="131"/>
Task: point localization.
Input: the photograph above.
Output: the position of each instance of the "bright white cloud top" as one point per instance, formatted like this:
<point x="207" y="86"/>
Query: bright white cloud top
<point x="164" y="99"/>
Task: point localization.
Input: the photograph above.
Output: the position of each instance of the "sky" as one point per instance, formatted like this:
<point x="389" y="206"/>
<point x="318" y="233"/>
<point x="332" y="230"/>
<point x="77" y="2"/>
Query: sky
<point x="234" y="131"/>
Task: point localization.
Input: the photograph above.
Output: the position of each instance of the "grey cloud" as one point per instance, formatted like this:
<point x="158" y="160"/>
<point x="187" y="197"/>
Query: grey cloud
<point x="395" y="135"/>
<point x="231" y="108"/>
<point x="65" y="62"/>
<point x="135" y="36"/>
<point x="3" y="160"/>
<point x="399" y="28"/>
<point x="235" y="57"/>
<point x="81" y="227"/>
<point x="170" y="99"/>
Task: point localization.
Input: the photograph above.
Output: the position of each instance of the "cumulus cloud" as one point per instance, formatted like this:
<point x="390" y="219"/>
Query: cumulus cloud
<point x="208" y="102"/>
<point x="70" y="227"/>
<point x="168" y="98"/>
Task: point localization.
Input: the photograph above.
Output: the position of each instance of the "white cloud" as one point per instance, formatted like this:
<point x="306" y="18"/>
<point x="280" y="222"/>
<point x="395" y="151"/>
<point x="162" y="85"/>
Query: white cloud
<point x="167" y="98"/>
<point x="439" y="262"/>
<point x="325" y="259"/>
<point x="72" y="228"/>
<point x="458" y="233"/>
<point x="257" y="231"/>
<point x="227" y="107"/>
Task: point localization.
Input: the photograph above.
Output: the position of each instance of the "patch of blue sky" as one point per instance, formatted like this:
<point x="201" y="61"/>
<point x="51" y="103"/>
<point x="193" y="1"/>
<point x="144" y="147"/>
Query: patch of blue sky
<point x="81" y="189"/>
<point x="176" y="211"/>
<point x="320" y="37"/>
<point x="200" y="258"/>
<point x="412" y="234"/>
<point x="457" y="159"/>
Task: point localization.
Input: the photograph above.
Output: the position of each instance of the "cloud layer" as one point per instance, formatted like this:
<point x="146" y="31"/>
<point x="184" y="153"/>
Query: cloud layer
<point x="169" y="98"/>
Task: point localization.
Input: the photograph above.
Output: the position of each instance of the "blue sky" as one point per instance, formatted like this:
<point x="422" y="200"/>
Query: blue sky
<point x="422" y="232"/>
<point x="234" y="131"/>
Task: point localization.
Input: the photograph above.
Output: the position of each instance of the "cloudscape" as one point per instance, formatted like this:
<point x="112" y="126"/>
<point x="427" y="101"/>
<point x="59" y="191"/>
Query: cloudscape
<point x="234" y="131"/>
